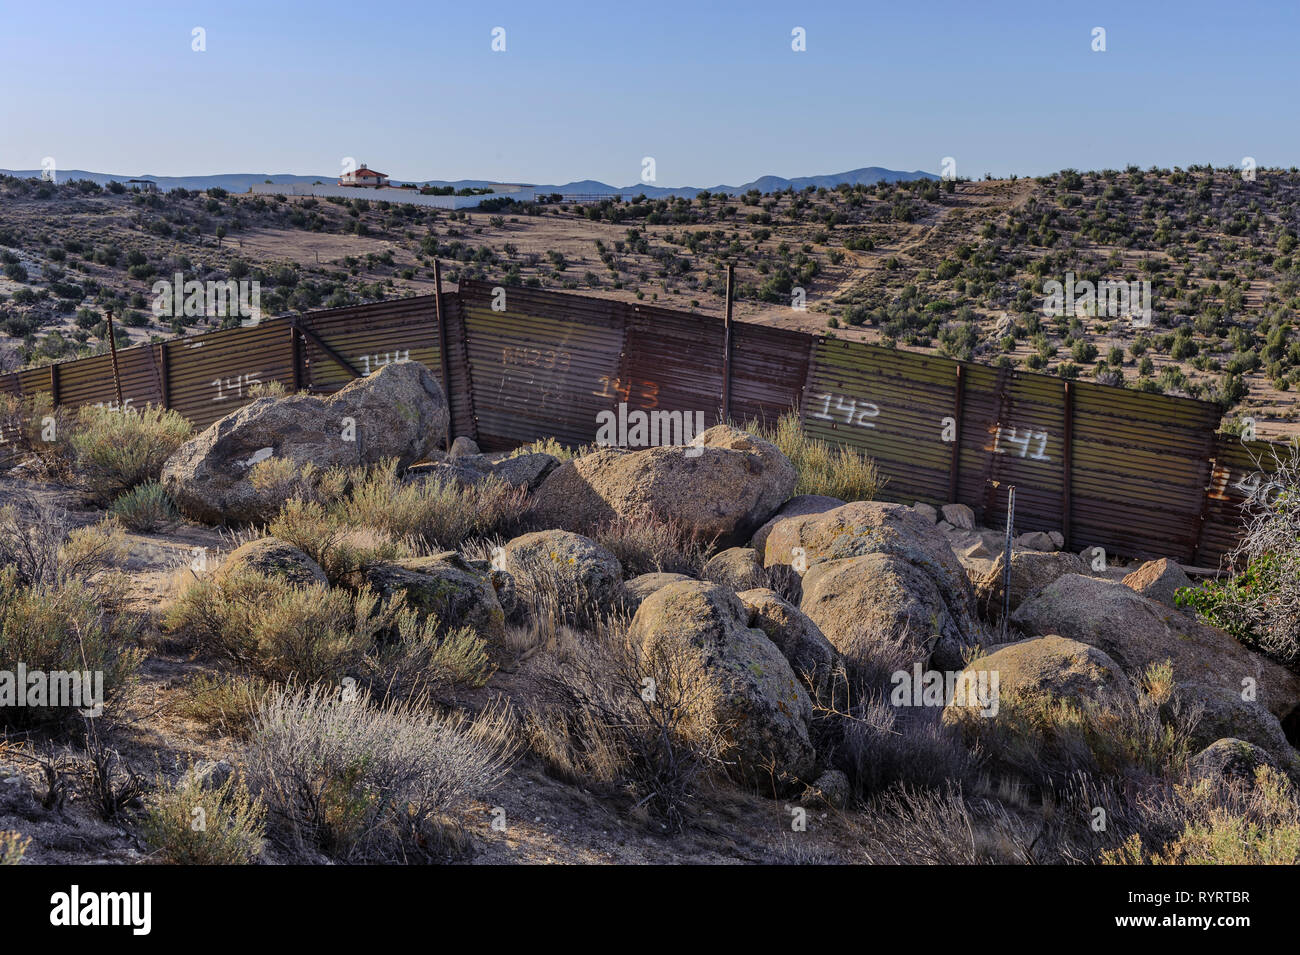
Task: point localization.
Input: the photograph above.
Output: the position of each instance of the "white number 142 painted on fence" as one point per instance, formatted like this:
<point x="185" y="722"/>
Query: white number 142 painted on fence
<point x="855" y="411"/>
<point x="1021" y="440"/>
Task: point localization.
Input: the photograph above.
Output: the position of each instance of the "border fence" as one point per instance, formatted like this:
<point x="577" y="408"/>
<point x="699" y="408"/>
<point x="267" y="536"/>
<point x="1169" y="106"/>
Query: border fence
<point x="1137" y="474"/>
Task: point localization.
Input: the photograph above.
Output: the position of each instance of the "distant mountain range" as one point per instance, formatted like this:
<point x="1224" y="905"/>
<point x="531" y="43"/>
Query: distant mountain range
<point x="241" y="181"/>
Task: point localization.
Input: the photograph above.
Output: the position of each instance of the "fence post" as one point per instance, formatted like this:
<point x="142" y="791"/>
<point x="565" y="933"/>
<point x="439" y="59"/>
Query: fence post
<point x="164" y="376"/>
<point x="442" y="344"/>
<point x="1006" y="559"/>
<point x="295" y="357"/>
<point x="726" y="348"/>
<point x="1067" y="478"/>
<point x="958" y="405"/>
<point x="54" y="385"/>
<point x="112" y="349"/>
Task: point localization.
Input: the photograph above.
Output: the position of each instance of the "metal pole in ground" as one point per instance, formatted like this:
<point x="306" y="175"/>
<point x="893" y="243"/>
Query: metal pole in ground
<point x="1006" y="559"/>
<point x="112" y="349"/>
<point x="726" y="348"/>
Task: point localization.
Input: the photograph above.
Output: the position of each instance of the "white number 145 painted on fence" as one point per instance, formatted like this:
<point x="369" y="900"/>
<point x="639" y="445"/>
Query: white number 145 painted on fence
<point x="855" y="411"/>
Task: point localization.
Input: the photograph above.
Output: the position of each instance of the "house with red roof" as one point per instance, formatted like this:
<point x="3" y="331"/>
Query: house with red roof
<point x="364" y="178"/>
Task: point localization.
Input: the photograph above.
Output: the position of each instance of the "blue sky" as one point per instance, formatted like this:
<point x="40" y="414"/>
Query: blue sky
<point x="712" y="91"/>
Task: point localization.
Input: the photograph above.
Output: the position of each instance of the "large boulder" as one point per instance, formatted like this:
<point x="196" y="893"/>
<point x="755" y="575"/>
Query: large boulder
<point x="580" y="578"/>
<point x="792" y="631"/>
<point x="1051" y="667"/>
<point x="915" y="583"/>
<point x="799" y="506"/>
<point x="397" y="412"/>
<point x="735" y="567"/>
<point x="745" y="682"/>
<point x="521" y="470"/>
<point x="444" y="586"/>
<point x="274" y="558"/>
<point x="1137" y="632"/>
<point x="637" y="589"/>
<point x="1231" y="760"/>
<point x="879" y="609"/>
<point x="1031" y="571"/>
<point x="723" y="485"/>
<point x="1223" y="713"/>
<point x="1158" y="579"/>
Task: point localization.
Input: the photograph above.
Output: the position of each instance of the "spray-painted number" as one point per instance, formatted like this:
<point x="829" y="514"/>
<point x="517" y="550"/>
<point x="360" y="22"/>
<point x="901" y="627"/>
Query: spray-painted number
<point x="854" y="412"/>
<point x="234" y="387"/>
<point x="1021" y="442"/>
<point x="647" y="392"/>
<point x="380" y="359"/>
<point x="536" y="357"/>
<point x="1255" y="487"/>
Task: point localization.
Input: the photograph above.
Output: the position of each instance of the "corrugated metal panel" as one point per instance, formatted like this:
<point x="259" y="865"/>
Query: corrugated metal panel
<point x="769" y="368"/>
<point x="1242" y="472"/>
<point x="890" y="404"/>
<point x="1141" y="463"/>
<point x="369" y="336"/>
<point x="672" y="362"/>
<point x="543" y="367"/>
<point x="209" y="376"/>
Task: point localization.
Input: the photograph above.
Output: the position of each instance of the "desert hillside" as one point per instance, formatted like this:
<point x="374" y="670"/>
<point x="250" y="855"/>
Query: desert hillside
<point x="954" y="267"/>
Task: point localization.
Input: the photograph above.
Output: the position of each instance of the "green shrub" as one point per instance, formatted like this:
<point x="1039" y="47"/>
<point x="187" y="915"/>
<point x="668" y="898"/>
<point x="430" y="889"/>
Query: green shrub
<point x="144" y="508"/>
<point x="190" y="824"/>
<point x="116" y="450"/>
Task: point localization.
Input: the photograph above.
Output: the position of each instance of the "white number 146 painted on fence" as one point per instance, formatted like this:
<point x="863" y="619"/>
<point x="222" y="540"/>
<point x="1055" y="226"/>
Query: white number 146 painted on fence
<point x="855" y="412"/>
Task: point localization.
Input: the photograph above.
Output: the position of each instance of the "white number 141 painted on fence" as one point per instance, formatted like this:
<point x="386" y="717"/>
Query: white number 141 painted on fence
<point x="855" y="412"/>
<point x="1021" y="440"/>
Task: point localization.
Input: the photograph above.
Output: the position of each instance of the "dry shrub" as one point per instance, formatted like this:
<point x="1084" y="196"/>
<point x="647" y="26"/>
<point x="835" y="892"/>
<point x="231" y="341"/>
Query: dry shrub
<point x="367" y="782"/>
<point x="116" y="450"/>
<point x="823" y="468"/>
<point x="279" y="478"/>
<point x="434" y="512"/>
<point x="879" y="747"/>
<point x="13" y="846"/>
<point x="35" y="430"/>
<point x="191" y="824"/>
<point x="645" y="544"/>
<point x="552" y="447"/>
<point x="226" y="704"/>
<point x="63" y="628"/>
<point x="144" y="508"/>
<point x="281" y="632"/>
<point x="614" y="714"/>
<point x="39" y="543"/>
<point x="340" y="550"/>
<point x="1047" y="739"/>
<point x="1218" y="822"/>
<point x="907" y="826"/>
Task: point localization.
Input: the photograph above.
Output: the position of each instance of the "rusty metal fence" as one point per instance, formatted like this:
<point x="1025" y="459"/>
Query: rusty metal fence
<point x="1135" y="473"/>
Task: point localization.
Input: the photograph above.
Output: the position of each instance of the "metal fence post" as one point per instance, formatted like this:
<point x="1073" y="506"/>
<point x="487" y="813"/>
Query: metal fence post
<point x="726" y="347"/>
<point x="112" y="349"/>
